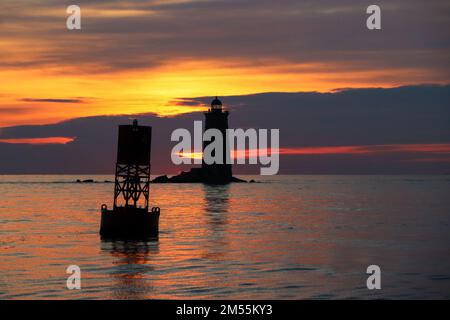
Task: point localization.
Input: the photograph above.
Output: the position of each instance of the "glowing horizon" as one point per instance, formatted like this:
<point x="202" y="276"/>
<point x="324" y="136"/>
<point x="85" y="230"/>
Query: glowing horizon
<point x="130" y="92"/>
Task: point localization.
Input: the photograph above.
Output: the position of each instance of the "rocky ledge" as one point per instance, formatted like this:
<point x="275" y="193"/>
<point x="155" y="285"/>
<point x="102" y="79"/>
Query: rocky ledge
<point x="193" y="176"/>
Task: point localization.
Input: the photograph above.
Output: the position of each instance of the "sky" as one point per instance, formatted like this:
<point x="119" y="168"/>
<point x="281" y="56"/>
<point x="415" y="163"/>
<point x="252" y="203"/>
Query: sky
<point x="353" y="131"/>
<point x="166" y="59"/>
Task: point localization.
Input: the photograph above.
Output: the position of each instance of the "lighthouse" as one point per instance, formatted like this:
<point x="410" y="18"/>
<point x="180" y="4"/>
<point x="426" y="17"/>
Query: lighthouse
<point x="216" y="172"/>
<point x="217" y="118"/>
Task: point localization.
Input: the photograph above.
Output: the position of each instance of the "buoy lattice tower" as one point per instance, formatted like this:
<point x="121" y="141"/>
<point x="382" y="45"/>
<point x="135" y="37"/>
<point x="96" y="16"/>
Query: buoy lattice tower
<point x="130" y="216"/>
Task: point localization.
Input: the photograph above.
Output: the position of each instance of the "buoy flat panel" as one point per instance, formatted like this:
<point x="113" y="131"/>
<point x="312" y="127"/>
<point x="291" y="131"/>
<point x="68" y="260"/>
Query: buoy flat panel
<point x="129" y="223"/>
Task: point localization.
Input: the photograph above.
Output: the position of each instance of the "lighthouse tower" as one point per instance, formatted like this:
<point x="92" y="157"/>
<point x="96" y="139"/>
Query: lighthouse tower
<point x="217" y="118"/>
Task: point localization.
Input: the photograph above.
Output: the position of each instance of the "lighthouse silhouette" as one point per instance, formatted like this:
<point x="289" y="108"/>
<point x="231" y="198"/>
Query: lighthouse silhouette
<point x="217" y="118"/>
<point x="210" y="172"/>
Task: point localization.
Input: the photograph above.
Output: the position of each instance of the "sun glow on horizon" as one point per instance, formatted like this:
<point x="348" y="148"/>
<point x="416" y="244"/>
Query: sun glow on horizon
<point x="26" y="93"/>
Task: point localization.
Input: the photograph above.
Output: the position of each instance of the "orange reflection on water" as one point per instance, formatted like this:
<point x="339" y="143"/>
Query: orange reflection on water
<point x="285" y="237"/>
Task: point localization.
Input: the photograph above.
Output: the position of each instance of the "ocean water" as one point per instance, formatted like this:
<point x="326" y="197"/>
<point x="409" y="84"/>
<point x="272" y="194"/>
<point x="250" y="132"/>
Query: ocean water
<point x="287" y="237"/>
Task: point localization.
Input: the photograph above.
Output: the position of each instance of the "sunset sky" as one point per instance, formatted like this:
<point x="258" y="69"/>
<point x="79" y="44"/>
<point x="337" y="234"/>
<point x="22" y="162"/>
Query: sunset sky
<point x="141" y="56"/>
<point x="168" y="57"/>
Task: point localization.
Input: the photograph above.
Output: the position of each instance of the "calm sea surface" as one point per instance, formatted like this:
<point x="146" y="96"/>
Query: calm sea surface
<point x="288" y="237"/>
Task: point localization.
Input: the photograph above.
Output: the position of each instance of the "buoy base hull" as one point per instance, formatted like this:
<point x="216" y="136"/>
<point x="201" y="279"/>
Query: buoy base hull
<point x="129" y="223"/>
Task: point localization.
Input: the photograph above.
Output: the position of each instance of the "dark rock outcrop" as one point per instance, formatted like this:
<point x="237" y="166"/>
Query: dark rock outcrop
<point x="234" y="179"/>
<point x="195" y="175"/>
<point x="161" y="179"/>
<point x="85" y="181"/>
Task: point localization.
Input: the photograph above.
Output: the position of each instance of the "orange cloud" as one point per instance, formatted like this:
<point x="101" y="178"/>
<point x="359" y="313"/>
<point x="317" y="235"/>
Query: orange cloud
<point x="368" y="149"/>
<point x="443" y="148"/>
<point x="38" y="141"/>
<point x="140" y="56"/>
